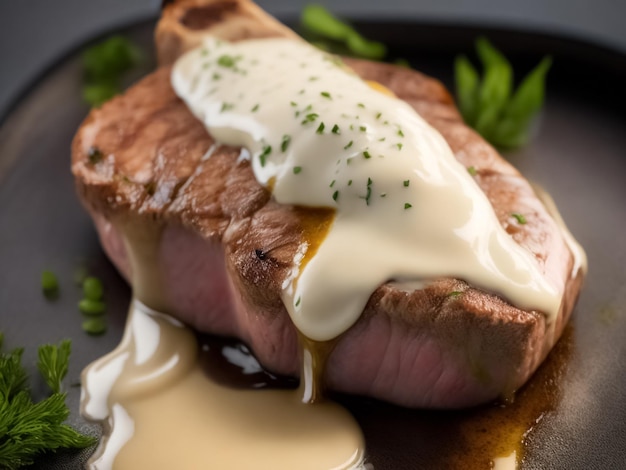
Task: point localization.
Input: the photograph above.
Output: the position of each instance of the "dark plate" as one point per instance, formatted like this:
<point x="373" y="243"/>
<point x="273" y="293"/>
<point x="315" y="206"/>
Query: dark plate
<point x="579" y="156"/>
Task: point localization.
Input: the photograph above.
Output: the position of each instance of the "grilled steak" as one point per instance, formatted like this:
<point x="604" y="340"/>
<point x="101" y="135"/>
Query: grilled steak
<point x="144" y="164"/>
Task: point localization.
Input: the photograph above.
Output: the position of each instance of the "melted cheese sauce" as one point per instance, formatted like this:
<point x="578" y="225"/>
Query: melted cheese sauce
<point x="319" y="136"/>
<point x="162" y="412"/>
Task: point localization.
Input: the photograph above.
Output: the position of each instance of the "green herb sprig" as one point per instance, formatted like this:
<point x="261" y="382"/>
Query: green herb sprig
<point x="28" y="429"/>
<point x="333" y="35"/>
<point x="489" y="105"/>
<point x="104" y="64"/>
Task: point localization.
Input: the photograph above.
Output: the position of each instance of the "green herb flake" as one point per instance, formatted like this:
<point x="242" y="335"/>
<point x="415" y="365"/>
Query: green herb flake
<point x="325" y="94"/>
<point x="520" y="218"/>
<point x="407" y="205"/>
<point x="297" y="170"/>
<point x="400" y="133"/>
<point x="366" y="155"/>
<point x="285" y="143"/>
<point x="362" y="128"/>
<point x="379" y="115"/>
<point x="263" y="156"/>
<point x="335" y="195"/>
<point x="399" y="145"/>
<point x="472" y="170"/>
<point x="383" y="194"/>
<point x="49" y="284"/>
<point x="313" y="79"/>
<point x="311" y="117"/>
<point x="406" y="183"/>
<point x="226" y="107"/>
<point x="293" y="103"/>
<point x="454" y="293"/>
<point x="349" y="182"/>
<point x="332" y="183"/>
<point x="297" y="304"/>
<point x="320" y="128"/>
<point x="336" y="129"/>
<point x="348" y="145"/>
<point x="255" y="108"/>
<point x="216" y="76"/>
<point x="360" y="105"/>
<point x="226" y="61"/>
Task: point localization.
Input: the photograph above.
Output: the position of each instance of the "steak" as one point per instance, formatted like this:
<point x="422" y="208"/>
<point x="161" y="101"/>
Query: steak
<point x="145" y="167"/>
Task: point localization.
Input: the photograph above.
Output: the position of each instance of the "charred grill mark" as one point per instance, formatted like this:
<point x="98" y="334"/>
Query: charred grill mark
<point x="198" y="18"/>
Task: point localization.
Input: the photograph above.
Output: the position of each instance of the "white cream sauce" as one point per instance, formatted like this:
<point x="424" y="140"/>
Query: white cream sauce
<point x="161" y="412"/>
<point x="318" y="135"/>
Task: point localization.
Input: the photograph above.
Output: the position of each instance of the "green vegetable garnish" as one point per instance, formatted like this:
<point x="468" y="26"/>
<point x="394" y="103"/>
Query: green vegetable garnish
<point x="104" y="64"/>
<point x="29" y="429"/>
<point x="92" y="288"/>
<point x="489" y="105"/>
<point x="297" y="170"/>
<point x="92" y="307"/>
<point x="333" y="34"/>
<point x="95" y="326"/>
<point x="49" y="284"/>
<point x="472" y="170"/>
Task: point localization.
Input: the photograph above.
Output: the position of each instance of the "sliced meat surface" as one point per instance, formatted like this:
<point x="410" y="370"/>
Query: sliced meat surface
<point x="145" y="167"/>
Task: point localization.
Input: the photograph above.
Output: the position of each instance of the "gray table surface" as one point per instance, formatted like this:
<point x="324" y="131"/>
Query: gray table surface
<point x="33" y="33"/>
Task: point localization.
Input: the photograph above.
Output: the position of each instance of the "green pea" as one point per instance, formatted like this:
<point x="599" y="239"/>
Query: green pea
<point x="94" y="326"/>
<point x="92" y="288"/>
<point x="49" y="284"/>
<point x="91" y="307"/>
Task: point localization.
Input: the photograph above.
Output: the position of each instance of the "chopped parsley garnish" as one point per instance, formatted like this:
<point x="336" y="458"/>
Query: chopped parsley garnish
<point x="362" y="128"/>
<point x="407" y="205"/>
<point x="226" y="60"/>
<point x="335" y="195"/>
<point x="298" y="301"/>
<point x="400" y="133"/>
<point x="360" y="105"/>
<point x="472" y="170"/>
<point x="336" y="130"/>
<point x="332" y="183"/>
<point x="293" y="103"/>
<point x="227" y="107"/>
<point x="406" y="183"/>
<point x="29" y="429"/>
<point x="325" y="94"/>
<point x="350" y="183"/>
<point x="348" y="145"/>
<point x="297" y="170"/>
<point x="216" y="76"/>
<point x="263" y="156"/>
<point x="366" y="154"/>
<point x="379" y="115"/>
<point x="311" y="117"/>
<point x="255" y="108"/>
<point x="399" y="145"/>
<point x="368" y="194"/>
<point x="320" y="128"/>
<point x="285" y="143"/>
<point x="520" y="218"/>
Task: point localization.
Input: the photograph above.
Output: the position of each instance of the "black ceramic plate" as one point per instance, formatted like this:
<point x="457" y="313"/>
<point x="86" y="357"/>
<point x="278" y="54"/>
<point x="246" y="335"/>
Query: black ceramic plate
<point x="578" y="155"/>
